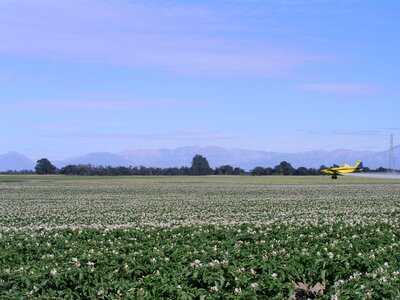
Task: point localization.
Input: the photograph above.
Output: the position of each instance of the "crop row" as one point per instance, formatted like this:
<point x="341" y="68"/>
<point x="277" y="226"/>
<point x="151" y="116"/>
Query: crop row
<point x="196" y="240"/>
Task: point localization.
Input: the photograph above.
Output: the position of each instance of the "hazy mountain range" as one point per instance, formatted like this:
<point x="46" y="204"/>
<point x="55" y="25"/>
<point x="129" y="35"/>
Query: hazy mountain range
<point x="216" y="156"/>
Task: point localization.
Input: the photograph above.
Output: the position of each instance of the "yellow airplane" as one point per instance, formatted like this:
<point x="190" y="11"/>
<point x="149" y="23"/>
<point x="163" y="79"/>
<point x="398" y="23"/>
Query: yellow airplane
<point x="343" y="169"/>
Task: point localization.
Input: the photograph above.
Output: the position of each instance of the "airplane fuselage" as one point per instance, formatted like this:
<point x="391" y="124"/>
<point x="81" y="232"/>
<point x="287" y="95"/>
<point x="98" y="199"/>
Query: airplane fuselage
<point x="343" y="169"/>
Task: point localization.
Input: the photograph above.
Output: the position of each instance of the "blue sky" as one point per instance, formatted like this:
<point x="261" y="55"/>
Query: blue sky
<point x="275" y="75"/>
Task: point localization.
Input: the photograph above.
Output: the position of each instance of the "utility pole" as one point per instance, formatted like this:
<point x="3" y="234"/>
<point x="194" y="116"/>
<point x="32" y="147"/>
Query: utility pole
<point x="392" y="163"/>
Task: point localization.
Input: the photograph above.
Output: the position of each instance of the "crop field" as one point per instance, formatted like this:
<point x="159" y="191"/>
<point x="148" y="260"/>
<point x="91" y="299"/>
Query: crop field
<point x="199" y="238"/>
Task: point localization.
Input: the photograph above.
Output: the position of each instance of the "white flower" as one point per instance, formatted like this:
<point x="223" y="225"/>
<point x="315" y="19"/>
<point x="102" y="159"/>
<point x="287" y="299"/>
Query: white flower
<point x="53" y="272"/>
<point x="214" y="263"/>
<point x="196" y="264"/>
<point x="153" y="260"/>
<point x="238" y="291"/>
<point x="214" y="289"/>
<point x="90" y="264"/>
<point x="76" y="262"/>
<point x="254" y="285"/>
<point x="339" y="282"/>
<point x="29" y="294"/>
<point x="274" y="276"/>
<point x="100" y="293"/>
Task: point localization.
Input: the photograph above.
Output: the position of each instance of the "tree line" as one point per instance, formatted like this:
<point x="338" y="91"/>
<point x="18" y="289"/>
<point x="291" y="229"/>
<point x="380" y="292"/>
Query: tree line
<point x="199" y="166"/>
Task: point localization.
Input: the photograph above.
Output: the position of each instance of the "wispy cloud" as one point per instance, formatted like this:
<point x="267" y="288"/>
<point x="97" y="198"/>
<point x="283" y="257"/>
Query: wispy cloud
<point x="391" y="128"/>
<point x="175" y="37"/>
<point x="97" y="103"/>
<point x="339" y="88"/>
<point x="196" y="135"/>
<point x="357" y="132"/>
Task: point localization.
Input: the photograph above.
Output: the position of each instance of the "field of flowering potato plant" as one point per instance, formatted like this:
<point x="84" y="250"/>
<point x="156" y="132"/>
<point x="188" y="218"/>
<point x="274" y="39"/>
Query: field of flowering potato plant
<point x="199" y="238"/>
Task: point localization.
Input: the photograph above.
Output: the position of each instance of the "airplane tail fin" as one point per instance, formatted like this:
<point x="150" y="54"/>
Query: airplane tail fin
<point x="359" y="164"/>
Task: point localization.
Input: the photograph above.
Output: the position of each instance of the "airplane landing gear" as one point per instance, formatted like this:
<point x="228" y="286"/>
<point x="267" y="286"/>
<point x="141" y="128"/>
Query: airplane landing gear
<point x="334" y="177"/>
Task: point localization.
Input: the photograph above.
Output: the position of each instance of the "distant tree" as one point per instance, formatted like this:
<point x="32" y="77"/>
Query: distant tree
<point x="268" y="171"/>
<point x="44" y="166"/>
<point x="200" y="166"/>
<point x="14" y="172"/>
<point x="258" y="171"/>
<point x="313" y="171"/>
<point x="224" y="170"/>
<point x="238" y="171"/>
<point x="301" y="171"/>
<point x="69" y="170"/>
<point x="184" y="171"/>
<point x="143" y="171"/>
<point x="284" y="168"/>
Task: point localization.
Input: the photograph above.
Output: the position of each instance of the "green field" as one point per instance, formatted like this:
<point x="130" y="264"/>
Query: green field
<point x="211" y="237"/>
